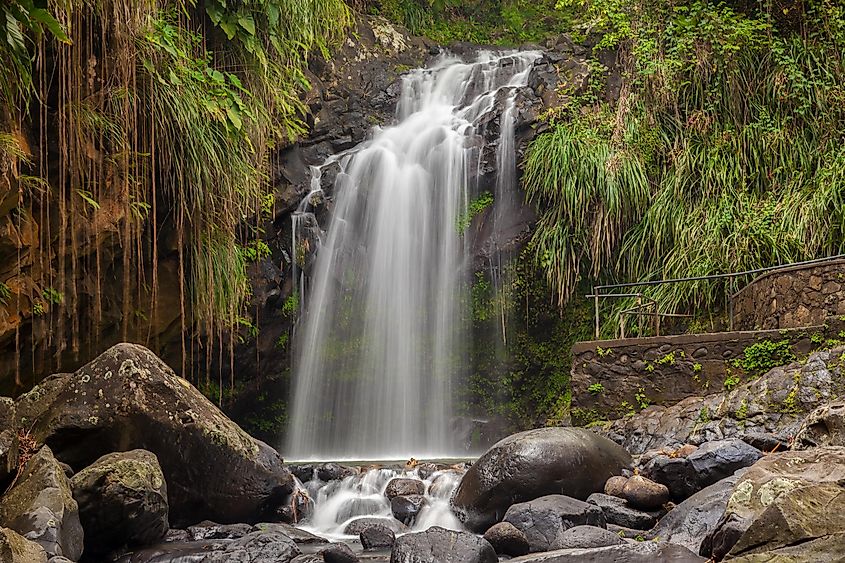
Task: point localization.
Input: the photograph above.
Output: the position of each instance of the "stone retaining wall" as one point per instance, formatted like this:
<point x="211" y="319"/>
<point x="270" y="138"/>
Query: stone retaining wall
<point x="791" y="297"/>
<point x="613" y="378"/>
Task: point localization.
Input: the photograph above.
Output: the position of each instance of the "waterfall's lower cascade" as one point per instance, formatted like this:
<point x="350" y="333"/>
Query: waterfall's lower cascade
<point x="334" y="507"/>
<point x="383" y="333"/>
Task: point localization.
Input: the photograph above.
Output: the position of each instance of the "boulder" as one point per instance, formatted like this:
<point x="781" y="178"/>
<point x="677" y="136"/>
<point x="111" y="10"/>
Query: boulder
<point x="614" y="486"/>
<point x="377" y="536"/>
<point x="40" y="507"/>
<point x="15" y="548"/>
<point x="616" y="511"/>
<point x="692" y="520"/>
<point x="438" y="545"/>
<point x="404" y="487"/>
<point x="208" y="530"/>
<point x="569" y="461"/>
<point x="774" y="475"/>
<point x="333" y="472"/>
<point x="583" y="537"/>
<point x="825" y="426"/>
<point x="405" y="509"/>
<point x="8" y="441"/>
<point x="298" y="535"/>
<point x="129" y="399"/>
<point x="673" y="472"/>
<point x="360" y="524"/>
<point x="797" y="516"/>
<point x="645" y="494"/>
<point x="826" y="548"/>
<point x="255" y="547"/>
<point x="717" y="460"/>
<point x="633" y="552"/>
<point x="338" y="553"/>
<point x="544" y="519"/>
<point x="507" y="539"/>
<point x="122" y="501"/>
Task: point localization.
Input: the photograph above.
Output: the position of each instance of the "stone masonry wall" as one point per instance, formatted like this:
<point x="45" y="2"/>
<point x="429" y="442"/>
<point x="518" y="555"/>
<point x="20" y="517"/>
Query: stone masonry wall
<point x="614" y="378"/>
<point x="791" y="297"/>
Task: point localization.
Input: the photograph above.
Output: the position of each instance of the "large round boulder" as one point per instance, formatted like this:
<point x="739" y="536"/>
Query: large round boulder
<point x="438" y="545"/>
<point x="569" y="461"/>
<point x="122" y="501"/>
<point x="127" y="398"/>
<point x="40" y="507"/>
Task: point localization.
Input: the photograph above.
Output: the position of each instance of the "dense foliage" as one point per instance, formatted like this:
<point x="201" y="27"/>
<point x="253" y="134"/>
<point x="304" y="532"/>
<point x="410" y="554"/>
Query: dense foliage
<point x="724" y="151"/>
<point x="165" y="115"/>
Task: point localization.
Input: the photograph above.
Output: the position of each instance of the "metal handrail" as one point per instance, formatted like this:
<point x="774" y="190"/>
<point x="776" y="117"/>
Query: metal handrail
<point x="597" y="293"/>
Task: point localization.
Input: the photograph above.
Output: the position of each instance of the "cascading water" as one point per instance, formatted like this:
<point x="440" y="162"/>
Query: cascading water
<point x="383" y="330"/>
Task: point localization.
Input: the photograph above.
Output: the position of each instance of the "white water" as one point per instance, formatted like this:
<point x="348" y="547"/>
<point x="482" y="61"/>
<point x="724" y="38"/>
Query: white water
<point x="383" y="333"/>
<point x="338" y="503"/>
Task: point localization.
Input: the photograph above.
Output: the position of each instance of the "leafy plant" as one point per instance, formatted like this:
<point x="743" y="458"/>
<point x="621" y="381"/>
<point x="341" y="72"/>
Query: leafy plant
<point x="291" y="305"/>
<point x="475" y="208"/>
<point x="764" y="355"/>
<point x="596" y="388"/>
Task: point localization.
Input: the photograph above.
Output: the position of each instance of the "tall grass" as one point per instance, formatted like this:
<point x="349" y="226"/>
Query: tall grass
<point x="732" y="139"/>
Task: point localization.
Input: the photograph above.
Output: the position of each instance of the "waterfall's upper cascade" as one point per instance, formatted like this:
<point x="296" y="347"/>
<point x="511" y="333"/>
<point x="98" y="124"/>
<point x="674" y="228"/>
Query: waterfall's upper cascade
<point x="383" y="333"/>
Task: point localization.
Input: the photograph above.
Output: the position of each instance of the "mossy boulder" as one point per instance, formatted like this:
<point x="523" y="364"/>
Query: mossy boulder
<point x="15" y="548"/>
<point x="122" y="501"/>
<point x="41" y="508"/>
<point x="127" y="398"/>
<point x="772" y="482"/>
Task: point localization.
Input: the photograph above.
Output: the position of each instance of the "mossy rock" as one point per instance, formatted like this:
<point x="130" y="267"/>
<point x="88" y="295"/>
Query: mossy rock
<point x="15" y="548"/>
<point x="122" y="501"/>
<point x="127" y="398"/>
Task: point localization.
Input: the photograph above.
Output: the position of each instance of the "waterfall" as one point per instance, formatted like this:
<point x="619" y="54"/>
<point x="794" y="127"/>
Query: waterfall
<point x="383" y="334"/>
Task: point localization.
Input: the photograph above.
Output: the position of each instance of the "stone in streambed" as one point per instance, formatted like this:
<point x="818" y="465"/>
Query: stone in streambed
<point x="543" y="520"/>
<point x="377" y="536"/>
<point x="41" y="508"/>
<point x="644" y="494"/>
<point x="122" y="501"/>
<point x="507" y="539"/>
<point x="405" y="509"/>
<point x="438" y="545"/>
<point x="629" y="552"/>
<point x="208" y="530"/>
<point x="614" y="486"/>
<point x="570" y="461"/>
<point x="617" y="511"/>
<point x="360" y="524"/>
<point x="338" y="553"/>
<point x="583" y="537"/>
<point x="333" y="472"/>
<point x="404" y="487"/>
<point x="128" y="398"/>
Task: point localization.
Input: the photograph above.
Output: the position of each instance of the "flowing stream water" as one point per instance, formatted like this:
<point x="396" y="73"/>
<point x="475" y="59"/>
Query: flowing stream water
<point x="383" y="334"/>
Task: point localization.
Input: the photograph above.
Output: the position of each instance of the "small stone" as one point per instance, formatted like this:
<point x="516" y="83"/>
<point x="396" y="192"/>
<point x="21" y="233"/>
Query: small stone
<point x="644" y="493"/>
<point x="614" y="486"/>
<point x="404" y="487"/>
<point x="377" y="536"/>
<point x="507" y="539"/>
<point x="339" y="553"/>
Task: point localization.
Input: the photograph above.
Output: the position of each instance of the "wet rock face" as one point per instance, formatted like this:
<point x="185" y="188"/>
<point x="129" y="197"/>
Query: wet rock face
<point x="40" y="507"/>
<point x="570" y="461"/>
<point x="543" y="520"/>
<point x="403" y="487"/>
<point x="438" y="545"/>
<point x="406" y="508"/>
<point x="122" y="501"/>
<point x="128" y="398"/>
